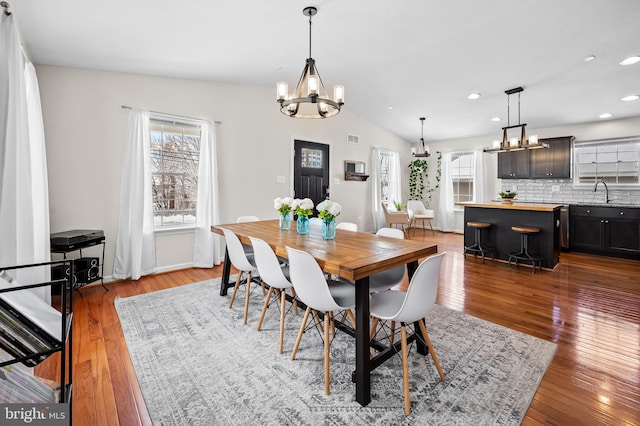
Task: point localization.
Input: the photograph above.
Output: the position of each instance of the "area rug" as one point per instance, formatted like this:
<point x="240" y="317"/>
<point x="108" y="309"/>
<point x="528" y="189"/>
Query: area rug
<point x="198" y="365"/>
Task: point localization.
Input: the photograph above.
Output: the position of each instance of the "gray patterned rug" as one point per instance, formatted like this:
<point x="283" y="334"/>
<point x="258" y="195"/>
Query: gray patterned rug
<point x="198" y="365"/>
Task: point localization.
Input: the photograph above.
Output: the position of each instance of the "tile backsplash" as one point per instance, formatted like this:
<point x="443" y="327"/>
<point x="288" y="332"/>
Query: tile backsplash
<point x="562" y="191"/>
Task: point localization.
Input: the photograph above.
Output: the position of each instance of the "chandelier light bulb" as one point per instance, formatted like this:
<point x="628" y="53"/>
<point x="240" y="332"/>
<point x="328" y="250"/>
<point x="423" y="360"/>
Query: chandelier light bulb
<point x="313" y="85"/>
<point x="338" y="94"/>
<point x="282" y="89"/>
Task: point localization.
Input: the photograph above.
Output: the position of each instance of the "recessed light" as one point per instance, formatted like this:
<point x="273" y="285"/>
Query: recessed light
<point x="496" y="119"/>
<point x="605" y="115"/>
<point x="630" y="60"/>
<point x="631" y="98"/>
<point x="474" y="96"/>
<point x="589" y="58"/>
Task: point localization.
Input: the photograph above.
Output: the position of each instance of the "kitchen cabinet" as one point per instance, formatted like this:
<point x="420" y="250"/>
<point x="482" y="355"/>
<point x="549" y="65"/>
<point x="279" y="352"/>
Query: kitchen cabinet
<point x="513" y="165"/>
<point x="608" y="230"/>
<point x="553" y="162"/>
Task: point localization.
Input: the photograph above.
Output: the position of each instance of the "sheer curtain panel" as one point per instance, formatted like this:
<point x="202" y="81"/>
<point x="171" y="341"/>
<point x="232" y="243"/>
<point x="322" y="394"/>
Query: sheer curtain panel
<point x="478" y="177"/>
<point x="24" y="197"/>
<point x="206" y="250"/>
<point x="446" y="217"/>
<point x="379" y="156"/>
<point x="135" y="240"/>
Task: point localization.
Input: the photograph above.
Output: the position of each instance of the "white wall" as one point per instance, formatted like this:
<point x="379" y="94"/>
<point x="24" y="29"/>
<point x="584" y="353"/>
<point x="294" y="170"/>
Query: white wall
<point x="86" y="128"/>
<point x="582" y="132"/>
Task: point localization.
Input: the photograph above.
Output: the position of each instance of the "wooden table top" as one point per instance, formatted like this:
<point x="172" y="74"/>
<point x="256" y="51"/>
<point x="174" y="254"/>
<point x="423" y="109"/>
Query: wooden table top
<point x="352" y="255"/>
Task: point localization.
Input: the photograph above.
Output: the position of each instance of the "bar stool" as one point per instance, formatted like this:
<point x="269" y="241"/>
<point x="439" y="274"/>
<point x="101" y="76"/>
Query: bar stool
<point x="477" y="247"/>
<point x="523" y="254"/>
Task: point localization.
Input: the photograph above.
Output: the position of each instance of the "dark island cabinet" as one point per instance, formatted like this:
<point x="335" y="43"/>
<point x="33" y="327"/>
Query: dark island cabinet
<point x="610" y="231"/>
<point x="513" y="165"/>
<point x="553" y="162"/>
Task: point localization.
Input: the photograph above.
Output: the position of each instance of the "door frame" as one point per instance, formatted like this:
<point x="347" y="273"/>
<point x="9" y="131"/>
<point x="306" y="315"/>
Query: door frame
<point x="292" y="148"/>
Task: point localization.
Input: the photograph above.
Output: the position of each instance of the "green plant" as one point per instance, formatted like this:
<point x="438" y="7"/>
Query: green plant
<point x="417" y="177"/>
<point x="508" y="194"/>
<point x="398" y="205"/>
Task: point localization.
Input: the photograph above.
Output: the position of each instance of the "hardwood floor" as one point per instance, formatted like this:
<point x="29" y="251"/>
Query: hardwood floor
<point x="589" y="306"/>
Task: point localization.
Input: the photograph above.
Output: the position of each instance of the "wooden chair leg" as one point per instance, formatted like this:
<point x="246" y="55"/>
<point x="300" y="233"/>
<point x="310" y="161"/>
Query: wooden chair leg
<point x="235" y="289"/>
<point x="300" y="333"/>
<point x="317" y="318"/>
<point x="295" y="302"/>
<point x="374" y="326"/>
<point x="283" y="300"/>
<point x="332" y="323"/>
<point x="405" y="370"/>
<point x="327" y="354"/>
<point x="432" y="351"/>
<point x="351" y="317"/>
<point x="393" y="332"/>
<point x="246" y="299"/>
<point x="264" y="292"/>
<point x="264" y="308"/>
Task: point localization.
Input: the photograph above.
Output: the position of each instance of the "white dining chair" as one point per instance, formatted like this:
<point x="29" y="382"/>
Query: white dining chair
<point x="410" y="307"/>
<point x="391" y="277"/>
<point x="321" y="295"/>
<point x="418" y="212"/>
<point x="276" y="277"/>
<point x="347" y="226"/>
<point x="244" y="219"/>
<point x="244" y="264"/>
<point x="315" y="222"/>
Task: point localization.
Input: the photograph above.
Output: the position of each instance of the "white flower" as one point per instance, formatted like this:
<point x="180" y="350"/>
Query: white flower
<point x="329" y="209"/>
<point x="283" y="204"/>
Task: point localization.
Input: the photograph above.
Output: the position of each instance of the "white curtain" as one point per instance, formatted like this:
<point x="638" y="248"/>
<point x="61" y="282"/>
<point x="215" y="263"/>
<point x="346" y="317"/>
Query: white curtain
<point x="478" y="176"/>
<point x="206" y="250"/>
<point x="135" y="240"/>
<point x="24" y="197"/>
<point x="446" y="217"/>
<point x="395" y="183"/>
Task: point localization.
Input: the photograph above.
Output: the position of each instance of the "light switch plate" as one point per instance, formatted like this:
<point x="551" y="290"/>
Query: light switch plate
<point x="280" y="179"/>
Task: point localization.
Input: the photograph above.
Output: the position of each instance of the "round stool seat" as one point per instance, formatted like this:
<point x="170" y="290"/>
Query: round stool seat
<point x="525" y="229"/>
<point x="478" y="225"/>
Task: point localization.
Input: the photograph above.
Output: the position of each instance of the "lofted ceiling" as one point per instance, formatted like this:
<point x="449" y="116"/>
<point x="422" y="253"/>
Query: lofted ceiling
<point x="398" y="60"/>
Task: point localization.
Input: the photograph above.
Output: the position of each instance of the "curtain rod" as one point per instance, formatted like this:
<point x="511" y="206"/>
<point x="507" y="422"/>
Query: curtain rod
<point x="179" y="117"/>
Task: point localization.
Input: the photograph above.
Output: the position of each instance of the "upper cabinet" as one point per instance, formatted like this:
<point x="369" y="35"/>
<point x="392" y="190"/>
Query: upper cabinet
<point x="513" y="165"/>
<point x="545" y="163"/>
<point x="554" y="162"/>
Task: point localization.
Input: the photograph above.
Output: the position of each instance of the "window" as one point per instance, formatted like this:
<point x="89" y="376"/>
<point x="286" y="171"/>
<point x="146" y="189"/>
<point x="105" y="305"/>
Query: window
<point x="175" y="153"/>
<point x="614" y="161"/>
<point x="462" y="176"/>
<point x="385" y="175"/>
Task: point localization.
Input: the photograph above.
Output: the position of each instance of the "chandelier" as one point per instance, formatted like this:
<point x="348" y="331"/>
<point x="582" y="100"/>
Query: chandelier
<point x="310" y="99"/>
<point x="515" y="143"/>
<point x="421" y="151"/>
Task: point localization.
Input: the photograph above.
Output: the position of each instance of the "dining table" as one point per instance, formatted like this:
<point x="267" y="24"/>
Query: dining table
<point x="352" y="256"/>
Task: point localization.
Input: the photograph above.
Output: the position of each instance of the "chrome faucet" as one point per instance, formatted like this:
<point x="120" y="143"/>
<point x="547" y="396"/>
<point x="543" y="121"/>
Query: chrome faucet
<point x="606" y="190"/>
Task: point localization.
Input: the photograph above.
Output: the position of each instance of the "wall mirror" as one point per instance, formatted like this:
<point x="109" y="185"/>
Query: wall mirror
<point x="355" y="170"/>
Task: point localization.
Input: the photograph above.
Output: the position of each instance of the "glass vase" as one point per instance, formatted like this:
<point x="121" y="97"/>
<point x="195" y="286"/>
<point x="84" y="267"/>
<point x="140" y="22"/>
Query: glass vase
<point x="328" y="229"/>
<point x="285" y="221"/>
<point x="302" y="225"/>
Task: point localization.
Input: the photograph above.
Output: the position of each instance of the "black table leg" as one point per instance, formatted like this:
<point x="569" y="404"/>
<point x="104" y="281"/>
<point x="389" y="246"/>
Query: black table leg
<point x="226" y="271"/>
<point x="363" y="362"/>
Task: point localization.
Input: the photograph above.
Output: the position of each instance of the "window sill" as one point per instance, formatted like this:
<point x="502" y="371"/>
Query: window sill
<point x="174" y="230"/>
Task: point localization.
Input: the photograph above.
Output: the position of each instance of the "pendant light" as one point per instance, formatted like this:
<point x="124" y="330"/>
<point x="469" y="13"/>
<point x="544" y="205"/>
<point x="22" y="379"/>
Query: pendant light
<point x="421" y="151"/>
<point x="310" y="99"/>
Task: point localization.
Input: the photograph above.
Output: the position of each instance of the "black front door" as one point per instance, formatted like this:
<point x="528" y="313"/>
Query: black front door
<point x="311" y="171"/>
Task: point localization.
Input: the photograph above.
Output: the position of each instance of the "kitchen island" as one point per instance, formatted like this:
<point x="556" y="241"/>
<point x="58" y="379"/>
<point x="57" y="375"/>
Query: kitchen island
<point x="503" y="240"/>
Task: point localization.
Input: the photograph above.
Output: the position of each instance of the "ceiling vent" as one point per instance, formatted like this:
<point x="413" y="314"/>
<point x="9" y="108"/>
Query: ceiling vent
<point x="353" y="138"/>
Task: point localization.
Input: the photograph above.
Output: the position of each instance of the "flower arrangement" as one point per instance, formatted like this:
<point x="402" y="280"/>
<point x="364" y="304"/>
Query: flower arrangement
<point x="508" y="194"/>
<point x="302" y="207"/>
<point x="328" y="210"/>
<point x="283" y="205"/>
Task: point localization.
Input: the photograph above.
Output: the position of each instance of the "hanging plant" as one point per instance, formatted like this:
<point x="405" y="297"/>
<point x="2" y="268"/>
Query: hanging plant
<point x="417" y="178"/>
<point x="431" y="189"/>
